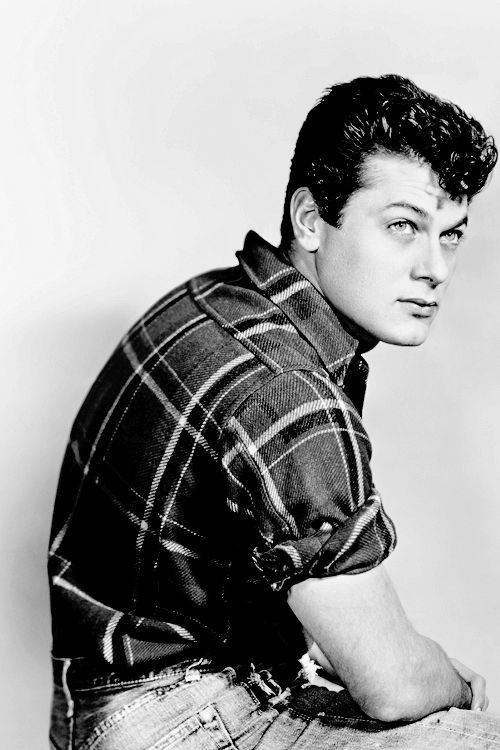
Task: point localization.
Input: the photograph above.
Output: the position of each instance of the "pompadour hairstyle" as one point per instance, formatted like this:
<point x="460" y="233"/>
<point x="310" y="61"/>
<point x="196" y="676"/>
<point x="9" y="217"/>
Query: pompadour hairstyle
<point x="375" y="115"/>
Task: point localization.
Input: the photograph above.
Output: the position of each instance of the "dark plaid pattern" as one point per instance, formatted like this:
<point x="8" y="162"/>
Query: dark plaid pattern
<point x="218" y="458"/>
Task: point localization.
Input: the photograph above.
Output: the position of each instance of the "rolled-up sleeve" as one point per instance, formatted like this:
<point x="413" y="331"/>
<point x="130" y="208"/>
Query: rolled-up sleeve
<point x="297" y="460"/>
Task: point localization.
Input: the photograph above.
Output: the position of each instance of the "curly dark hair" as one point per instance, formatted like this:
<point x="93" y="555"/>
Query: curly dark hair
<point x="375" y="115"/>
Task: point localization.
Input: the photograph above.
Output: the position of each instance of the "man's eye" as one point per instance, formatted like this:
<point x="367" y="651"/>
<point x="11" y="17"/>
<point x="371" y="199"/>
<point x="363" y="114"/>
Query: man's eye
<point x="453" y="237"/>
<point x="402" y="227"/>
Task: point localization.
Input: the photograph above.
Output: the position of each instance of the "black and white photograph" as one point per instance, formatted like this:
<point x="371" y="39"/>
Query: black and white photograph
<point x="250" y="459"/>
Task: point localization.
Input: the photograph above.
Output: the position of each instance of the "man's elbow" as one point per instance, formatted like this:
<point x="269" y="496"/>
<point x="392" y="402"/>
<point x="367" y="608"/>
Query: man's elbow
<point x="389" y="712"/>
<point x="396" y="705"/>
<point x="407" y="691"/>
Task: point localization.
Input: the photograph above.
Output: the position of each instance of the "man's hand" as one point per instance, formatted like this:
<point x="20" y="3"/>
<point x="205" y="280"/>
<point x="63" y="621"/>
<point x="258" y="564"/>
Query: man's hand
<point x="476" y="683"/>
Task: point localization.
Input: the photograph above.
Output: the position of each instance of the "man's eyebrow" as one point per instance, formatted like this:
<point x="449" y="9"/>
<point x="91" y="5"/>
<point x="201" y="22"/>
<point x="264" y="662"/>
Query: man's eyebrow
<point x="421" y="212"/>
<point x="462" y="222"/>
<point x="409" y="206"/>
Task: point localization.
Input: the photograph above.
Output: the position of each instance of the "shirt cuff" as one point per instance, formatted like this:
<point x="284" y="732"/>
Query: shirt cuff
<point x="360" y="543"/>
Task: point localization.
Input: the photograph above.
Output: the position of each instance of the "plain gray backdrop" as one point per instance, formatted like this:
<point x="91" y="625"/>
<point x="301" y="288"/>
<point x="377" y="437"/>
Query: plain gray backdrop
<point x="139" y="141"/>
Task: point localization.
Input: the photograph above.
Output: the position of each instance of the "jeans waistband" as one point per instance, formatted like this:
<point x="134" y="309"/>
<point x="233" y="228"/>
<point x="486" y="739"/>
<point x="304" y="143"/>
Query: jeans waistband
<point x="266" y="684"/>
<point x="75" y="675"/>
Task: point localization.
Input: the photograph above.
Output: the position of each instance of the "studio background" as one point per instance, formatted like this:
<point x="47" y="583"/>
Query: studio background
<point x="139" y="141"/>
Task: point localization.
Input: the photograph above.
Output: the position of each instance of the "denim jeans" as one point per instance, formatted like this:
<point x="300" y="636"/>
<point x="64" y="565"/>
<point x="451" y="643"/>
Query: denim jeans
<point x="192" y="707"/>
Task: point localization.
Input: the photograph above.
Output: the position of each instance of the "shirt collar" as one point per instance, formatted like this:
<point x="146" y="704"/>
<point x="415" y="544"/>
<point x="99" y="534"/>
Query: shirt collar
<point x="301" y="302"/>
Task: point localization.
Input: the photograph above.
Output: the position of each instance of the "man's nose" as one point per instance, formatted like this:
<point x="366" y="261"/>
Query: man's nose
<point x="432" y="263"/>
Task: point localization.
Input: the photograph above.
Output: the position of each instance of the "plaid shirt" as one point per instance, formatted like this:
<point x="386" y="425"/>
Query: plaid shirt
<point x="219" y="458"/>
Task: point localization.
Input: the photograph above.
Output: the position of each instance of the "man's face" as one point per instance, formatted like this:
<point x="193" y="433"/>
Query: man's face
<point x="388" y="265"/>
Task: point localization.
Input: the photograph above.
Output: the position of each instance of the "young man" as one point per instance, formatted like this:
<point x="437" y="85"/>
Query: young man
<point x="216" y="515"/>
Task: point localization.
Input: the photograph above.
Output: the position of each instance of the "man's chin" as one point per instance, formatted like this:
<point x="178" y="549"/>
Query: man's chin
<point x="414" y="336"/>
<point x="411" y="332"/>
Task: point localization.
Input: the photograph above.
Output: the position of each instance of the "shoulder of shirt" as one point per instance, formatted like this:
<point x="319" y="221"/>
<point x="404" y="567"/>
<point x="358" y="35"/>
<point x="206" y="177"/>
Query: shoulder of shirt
<point x="217" y="331"/>
<point x="235" y="320"/>
<point x="220" y="311"/>
<point x="252" y="321"/>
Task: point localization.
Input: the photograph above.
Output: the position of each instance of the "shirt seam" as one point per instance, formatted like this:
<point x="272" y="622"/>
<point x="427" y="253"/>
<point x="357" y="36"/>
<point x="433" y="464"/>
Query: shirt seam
<point x="259" y="387"/>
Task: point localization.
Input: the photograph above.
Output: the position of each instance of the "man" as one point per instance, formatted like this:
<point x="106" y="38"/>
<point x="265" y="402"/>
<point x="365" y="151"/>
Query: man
<point x="216" y="515"/>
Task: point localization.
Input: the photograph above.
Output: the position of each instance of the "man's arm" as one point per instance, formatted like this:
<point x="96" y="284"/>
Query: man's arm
<point x="390" y="670"/>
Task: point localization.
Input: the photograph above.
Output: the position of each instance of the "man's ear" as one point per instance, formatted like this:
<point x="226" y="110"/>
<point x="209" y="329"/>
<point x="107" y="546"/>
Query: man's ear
<point x="305" y="220"/>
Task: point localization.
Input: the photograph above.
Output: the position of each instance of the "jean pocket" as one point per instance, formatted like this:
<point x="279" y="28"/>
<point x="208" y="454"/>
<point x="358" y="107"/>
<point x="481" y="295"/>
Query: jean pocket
<point x="204" y="731"/>
<point x="157" y="719"/>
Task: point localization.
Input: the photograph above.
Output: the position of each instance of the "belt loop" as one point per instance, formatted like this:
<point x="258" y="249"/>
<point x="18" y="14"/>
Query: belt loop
<point x="193" y="674"/>
<point x="271" y="683"/>
<point x="69" y="701"/>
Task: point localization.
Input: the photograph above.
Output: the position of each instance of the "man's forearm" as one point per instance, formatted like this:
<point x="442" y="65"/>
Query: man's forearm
<point x="433" y="682"/>
<point x="391" y="671"/>
<point x="436" y="678"/>
<point x="429" y="683"/>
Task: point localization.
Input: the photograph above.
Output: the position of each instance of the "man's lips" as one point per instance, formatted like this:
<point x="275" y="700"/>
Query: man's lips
<point x="420" y="301"/>
<point x="421" y="306"/>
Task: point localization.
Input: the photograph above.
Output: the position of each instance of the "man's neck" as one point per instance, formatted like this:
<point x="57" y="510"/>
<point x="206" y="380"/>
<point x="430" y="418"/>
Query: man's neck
<point x="366" y="341"/>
